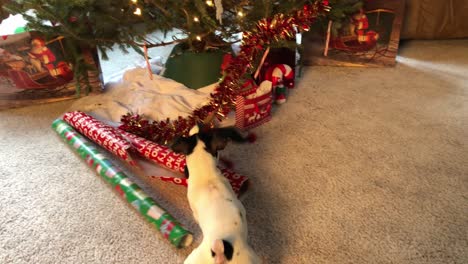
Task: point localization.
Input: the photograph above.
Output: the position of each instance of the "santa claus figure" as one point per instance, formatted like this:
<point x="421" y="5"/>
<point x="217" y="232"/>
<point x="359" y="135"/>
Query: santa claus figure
<point x="359" y="27"/>
<point x="40" y="56"/>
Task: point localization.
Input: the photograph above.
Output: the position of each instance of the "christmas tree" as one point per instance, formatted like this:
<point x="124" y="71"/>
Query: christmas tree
<point x="104" y="23"/>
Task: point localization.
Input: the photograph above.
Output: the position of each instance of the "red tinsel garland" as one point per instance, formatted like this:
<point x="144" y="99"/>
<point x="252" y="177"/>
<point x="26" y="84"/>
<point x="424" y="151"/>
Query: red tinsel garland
<point x="279" y="27"/>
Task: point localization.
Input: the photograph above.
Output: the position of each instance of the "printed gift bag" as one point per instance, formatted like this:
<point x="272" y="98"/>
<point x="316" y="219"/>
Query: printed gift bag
<point x="254" y="108"/>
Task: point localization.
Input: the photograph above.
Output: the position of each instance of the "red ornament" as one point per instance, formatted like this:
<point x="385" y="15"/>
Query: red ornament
<point x="73" y="19"/>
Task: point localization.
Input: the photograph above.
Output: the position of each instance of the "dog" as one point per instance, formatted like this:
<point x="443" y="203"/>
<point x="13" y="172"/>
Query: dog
<point x="215" y="207"/>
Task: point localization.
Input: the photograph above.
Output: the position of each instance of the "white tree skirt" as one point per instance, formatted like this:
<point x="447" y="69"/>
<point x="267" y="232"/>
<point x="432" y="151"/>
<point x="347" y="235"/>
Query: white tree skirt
<point x="155" y="99"/>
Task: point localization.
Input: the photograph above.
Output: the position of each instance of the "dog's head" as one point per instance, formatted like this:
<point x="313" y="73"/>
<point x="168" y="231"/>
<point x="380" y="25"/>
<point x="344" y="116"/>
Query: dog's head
<point x="214" y="139"/>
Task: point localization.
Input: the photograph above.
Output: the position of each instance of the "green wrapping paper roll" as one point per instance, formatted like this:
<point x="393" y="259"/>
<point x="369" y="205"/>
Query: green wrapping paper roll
<point x="146" y="206"/>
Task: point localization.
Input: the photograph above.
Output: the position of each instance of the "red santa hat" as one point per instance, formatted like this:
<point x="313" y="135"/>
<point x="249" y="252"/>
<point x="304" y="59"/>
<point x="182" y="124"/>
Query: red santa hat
<point x="39" y="41"/>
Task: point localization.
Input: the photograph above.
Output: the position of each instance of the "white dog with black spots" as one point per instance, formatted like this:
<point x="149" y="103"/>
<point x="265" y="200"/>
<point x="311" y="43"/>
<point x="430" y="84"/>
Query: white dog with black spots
<point x="215" y="206"/>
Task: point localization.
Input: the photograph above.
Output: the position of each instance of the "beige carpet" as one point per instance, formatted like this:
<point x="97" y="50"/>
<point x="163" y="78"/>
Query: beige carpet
<point x="360" y="166"/>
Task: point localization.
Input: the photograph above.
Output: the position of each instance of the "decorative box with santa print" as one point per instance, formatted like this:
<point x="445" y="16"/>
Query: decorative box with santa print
<point x="356" y="33"/>
<point x="34" y="69"/>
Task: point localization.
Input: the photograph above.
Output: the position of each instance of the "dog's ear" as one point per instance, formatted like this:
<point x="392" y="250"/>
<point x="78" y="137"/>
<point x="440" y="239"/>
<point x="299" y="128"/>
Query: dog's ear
<point x="200" y="125"/>
<point x="184" y="145"/>
<point x="221" y="137"/>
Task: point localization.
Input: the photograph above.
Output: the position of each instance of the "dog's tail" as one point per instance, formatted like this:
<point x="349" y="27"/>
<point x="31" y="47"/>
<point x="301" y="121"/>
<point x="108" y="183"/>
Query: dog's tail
<point x="222" y="251"/>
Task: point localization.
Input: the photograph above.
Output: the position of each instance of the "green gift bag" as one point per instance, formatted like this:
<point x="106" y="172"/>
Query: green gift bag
<point x="194" y="69"/>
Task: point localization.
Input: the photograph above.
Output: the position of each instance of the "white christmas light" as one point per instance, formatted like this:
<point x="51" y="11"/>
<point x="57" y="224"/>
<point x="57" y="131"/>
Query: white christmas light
<point x="198" y="38"/>
<point x="134" y="1"/>
<point x="137" y="12"/>
<point x="240" y="14"/>
<point x="209" y="3"/>
<point x="196" y="19"/>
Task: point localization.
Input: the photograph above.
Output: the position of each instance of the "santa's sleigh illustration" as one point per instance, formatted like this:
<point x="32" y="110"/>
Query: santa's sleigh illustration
<point x="352" y="44"/>
<point x="40" y="71"/>
<point x="25" y="81"/>
<point x="359" y="37"/>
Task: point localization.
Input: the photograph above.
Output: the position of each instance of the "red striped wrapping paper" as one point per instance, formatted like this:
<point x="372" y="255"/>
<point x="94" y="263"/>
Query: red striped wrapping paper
<point x="104" y="135"/>
<point x="122" y="143"/>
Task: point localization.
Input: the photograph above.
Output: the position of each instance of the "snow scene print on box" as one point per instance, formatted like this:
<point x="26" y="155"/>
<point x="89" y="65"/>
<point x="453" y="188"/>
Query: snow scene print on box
<point x="33" y="70"/>
<point x="367" y="35"/>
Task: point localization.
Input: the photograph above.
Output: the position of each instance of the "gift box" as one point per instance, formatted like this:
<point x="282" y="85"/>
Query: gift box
<point x="34" y="69"/>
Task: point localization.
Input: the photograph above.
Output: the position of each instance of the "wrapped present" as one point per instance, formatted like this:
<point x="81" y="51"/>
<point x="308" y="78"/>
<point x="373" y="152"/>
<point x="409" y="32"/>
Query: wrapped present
<point x="254" y="109"/>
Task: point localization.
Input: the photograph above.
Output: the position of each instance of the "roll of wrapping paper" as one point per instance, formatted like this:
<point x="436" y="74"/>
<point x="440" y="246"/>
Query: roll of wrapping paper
<point x="146" y="206"/>
<point x="102" y="134"/>
<point x="164" y="156"/>
<point x="158" y="154"/>
<point x="239" y="183"/>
